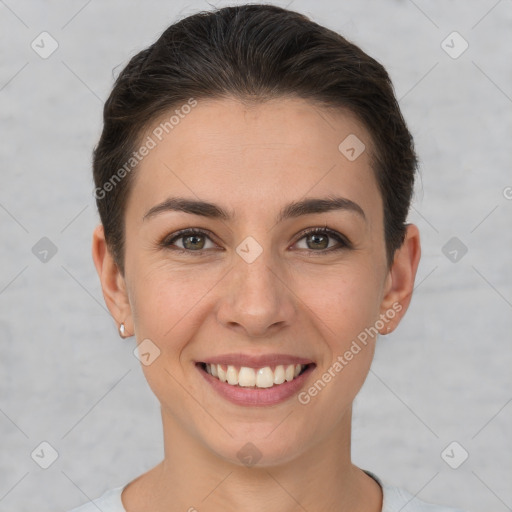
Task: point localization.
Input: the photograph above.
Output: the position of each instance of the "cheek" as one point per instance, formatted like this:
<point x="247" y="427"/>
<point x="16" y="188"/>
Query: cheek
<point x="346" y="306"/>
<point x="170" y="309"/>
<point x="345" y="300"/>
<point x="169" y="303"/>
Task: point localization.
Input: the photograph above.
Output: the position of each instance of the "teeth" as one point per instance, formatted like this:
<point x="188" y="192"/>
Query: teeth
<point x="220" y="372"/>
<point x="279" y="374"/>
<point x="232" y="375"/>
<point x="246" y="377"/>
<point x="251" y="377"/>
<point x="264" y="378"/>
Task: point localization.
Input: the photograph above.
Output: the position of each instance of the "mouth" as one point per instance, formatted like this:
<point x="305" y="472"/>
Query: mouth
<point x="247" y="377"/>
<point x="265" y="382"/>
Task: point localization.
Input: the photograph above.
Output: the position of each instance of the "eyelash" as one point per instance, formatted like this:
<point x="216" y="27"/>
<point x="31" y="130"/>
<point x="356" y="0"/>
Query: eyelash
<point x="343" y="241"/>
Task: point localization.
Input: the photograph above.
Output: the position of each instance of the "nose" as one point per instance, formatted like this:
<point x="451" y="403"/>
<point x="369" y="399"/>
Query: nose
<point x="256" y="299"/>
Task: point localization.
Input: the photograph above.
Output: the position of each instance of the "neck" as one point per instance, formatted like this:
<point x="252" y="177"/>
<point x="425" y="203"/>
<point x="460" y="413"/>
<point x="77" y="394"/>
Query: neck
<point x="191" y="476"/>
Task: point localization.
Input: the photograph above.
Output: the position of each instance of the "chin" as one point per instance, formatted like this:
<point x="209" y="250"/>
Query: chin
<point x="260" y="445"/>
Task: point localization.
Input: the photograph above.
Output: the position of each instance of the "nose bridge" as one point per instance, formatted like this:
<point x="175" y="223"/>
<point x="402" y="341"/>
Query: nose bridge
<point x="256" y="298"/>
<point x="255" y="275"/>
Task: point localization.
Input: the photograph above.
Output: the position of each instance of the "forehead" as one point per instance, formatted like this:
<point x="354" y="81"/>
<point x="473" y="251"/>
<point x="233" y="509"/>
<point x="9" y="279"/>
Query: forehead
<point x="256" y="156"/>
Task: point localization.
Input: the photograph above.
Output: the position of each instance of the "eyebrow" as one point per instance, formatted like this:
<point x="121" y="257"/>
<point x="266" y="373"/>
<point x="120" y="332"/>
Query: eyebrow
<point x="295" y="209"/>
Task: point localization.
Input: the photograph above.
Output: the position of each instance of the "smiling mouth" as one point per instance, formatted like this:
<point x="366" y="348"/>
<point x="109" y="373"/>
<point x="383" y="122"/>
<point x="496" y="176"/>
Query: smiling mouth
<point x="246" y="377"/>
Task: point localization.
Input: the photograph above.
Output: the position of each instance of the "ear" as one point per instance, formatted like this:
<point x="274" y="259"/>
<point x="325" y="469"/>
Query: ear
<point x="400" y="280"/>
<point x="112" y="282"/>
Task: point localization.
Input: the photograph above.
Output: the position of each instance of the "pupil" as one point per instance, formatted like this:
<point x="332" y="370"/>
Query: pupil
<point x="316" y="236"/>
<point x="193" y="237"/>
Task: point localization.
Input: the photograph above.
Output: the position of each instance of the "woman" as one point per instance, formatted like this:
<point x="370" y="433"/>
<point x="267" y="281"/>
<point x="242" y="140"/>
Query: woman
<point x="253" y="180"/>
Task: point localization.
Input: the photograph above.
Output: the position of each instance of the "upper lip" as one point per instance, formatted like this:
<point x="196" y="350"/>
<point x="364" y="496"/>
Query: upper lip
<point x="256" y="361"/>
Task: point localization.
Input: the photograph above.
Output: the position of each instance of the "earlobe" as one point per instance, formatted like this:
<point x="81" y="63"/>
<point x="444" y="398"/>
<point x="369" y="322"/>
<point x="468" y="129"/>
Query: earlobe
<point x="400" y="279"/>
<point x="112" y="282"/>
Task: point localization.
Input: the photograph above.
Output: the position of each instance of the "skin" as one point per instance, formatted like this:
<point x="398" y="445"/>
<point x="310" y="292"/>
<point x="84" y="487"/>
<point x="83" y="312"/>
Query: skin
<point x="295" y="298"/>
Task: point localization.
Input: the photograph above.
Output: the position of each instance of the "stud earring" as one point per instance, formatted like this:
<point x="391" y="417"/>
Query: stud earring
<point x="121" y="330"/>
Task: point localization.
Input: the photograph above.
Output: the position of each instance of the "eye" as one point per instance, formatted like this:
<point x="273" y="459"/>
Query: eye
<point x="193" y="240"/>
<point x="317" y="240"/>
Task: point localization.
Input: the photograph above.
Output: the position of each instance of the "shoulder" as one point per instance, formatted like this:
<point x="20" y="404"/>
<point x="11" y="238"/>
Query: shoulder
<point x="110" y="501"/>
<point x="396" y="499"/>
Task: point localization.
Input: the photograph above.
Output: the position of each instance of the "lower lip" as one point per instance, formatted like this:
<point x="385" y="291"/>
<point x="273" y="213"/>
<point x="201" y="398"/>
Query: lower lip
<point x="257" y="396"/>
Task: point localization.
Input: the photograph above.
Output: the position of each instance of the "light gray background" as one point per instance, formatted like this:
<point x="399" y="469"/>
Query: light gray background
<point x="443" y="376"/>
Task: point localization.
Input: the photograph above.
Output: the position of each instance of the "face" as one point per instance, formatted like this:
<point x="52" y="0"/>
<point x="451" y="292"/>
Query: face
<point x="253" y="285"/>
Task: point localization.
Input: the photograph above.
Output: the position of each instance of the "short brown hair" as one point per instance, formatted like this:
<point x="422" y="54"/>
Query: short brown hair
<point x="252" y="52"/>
